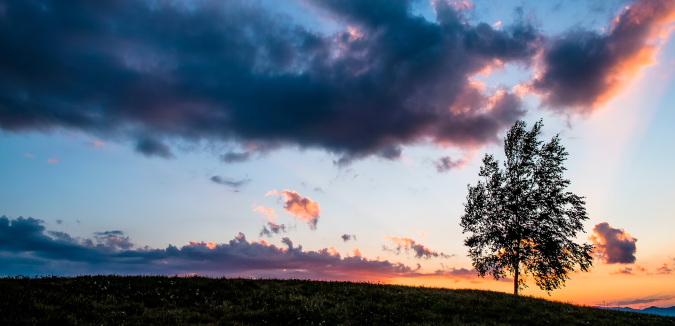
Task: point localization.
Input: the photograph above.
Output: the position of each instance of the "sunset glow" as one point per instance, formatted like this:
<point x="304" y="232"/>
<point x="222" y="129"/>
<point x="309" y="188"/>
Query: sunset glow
<point x="330" y="140"/>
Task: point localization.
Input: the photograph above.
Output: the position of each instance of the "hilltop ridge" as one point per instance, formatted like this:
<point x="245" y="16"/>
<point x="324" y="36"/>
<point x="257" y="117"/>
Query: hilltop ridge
<point x="144" y="300"/>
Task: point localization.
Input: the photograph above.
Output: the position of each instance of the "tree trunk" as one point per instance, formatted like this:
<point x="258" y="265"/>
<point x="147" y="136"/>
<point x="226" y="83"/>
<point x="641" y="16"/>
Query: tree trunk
<point x="515" y="279"/>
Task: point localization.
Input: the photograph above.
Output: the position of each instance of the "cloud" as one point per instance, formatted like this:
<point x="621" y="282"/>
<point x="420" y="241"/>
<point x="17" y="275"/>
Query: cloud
<point x="445" y="164"/>
<point x="613" y="246"/>
<point x="233" y="157"/>
<point x="346" y="237"/>
<point x="230" y="182"/>
<point x="407" y="244"/>
<point x="149" y="147"/>
<point x="97" y="143"/>
<point x="303" y="208"/>
<point x="366" y="90"/>
<point x="664" y="269"/>
<point x="272" y="192"/>
<point x="24" y="242"/>
<point x="29" y="155"/>
<point x="317" y="189"/>
<point x="53" y="160"/>
<point x="640" y="301"/>
<point x="421" y="233"/>
<point x="274" y="228"/>
<point x="267" y="211"/>
<point x="625" y="270"/>
<point x="113" y="239"/>
<point x="59" y="221"/>
<point x="583" y="69"/>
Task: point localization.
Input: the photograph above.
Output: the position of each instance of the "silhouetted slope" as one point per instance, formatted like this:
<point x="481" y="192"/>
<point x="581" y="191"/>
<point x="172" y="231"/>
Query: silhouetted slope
<point x="156" y="300"/>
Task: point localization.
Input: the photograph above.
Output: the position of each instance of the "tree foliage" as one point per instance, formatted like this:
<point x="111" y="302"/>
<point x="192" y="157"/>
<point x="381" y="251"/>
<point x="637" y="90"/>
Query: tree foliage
<point x="520" y="218"/>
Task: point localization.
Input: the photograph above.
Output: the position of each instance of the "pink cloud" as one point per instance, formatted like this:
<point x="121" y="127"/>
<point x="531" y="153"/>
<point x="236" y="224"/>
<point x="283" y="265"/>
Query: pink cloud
<point x="303" y="208"/>
<point x="29" y="155"/>
<point x="97" y="143"/>
<point x="272" y="192"/>
<point x="53" y="160"/>
<point x="266" y="211"/>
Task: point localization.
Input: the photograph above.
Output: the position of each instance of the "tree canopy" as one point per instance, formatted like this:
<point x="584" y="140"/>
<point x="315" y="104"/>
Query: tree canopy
<point x="521" y="219"/>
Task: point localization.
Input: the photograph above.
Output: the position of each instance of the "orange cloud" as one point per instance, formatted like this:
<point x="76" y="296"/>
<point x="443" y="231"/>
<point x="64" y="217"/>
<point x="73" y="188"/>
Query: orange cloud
<point x="303" y="208"/>
<point x="664" y="270"/>
<point x="209" y="245"/>
<point x="585" y="69"/>
<point x="53" y="160"/>
<point x="405" y="243"/>
<point x="357" y="253"/>
<point x="421" y="233"/>
<point x="272" y="192"/>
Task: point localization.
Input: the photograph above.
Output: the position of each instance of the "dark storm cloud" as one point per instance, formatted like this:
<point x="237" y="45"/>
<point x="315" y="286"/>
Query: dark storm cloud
<point x="445" y="164"/>
<point x="232" y="71"/>
<point x="613" y="246"/>
<point x="26" y="249"/>
<point x="152" y="147"/>
<point x="346" y="237"/>
<point x="230" y="182"/>
<point x="584" y="68"/>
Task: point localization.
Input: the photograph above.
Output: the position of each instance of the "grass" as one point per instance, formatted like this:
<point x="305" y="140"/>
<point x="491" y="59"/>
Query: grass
<point x="159" y="300"/>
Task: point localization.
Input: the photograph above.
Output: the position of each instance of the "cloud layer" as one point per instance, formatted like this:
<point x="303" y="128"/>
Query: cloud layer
<point x="27" y="248"/>
<point x="613" y="246"/>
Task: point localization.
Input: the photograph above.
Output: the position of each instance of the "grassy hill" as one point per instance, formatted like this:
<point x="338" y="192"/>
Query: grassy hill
<point x="139" y="300"/>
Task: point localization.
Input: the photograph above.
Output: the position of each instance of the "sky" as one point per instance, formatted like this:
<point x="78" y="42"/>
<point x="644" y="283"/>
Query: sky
<point x="327" y="139"/>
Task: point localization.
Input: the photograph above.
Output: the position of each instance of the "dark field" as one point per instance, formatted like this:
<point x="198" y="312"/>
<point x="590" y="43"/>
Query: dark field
<point x="141" y="300"/>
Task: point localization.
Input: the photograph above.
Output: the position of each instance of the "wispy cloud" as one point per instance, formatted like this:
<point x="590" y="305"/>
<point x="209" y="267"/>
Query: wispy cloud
<point x="665" y="269"/>
<point x="234" y="157"/>
<point x="230" y="182"/>
<point x="274" y="228"/>
<point x="53" y="160"/>
<point x="407" y="244"/>
<point x="272" y="192"/>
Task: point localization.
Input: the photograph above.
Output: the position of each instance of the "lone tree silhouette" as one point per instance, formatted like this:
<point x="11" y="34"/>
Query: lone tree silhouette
<point x="521" y="219"/>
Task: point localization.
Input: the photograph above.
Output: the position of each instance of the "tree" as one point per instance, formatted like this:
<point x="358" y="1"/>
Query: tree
<point x="521" y="219"/>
